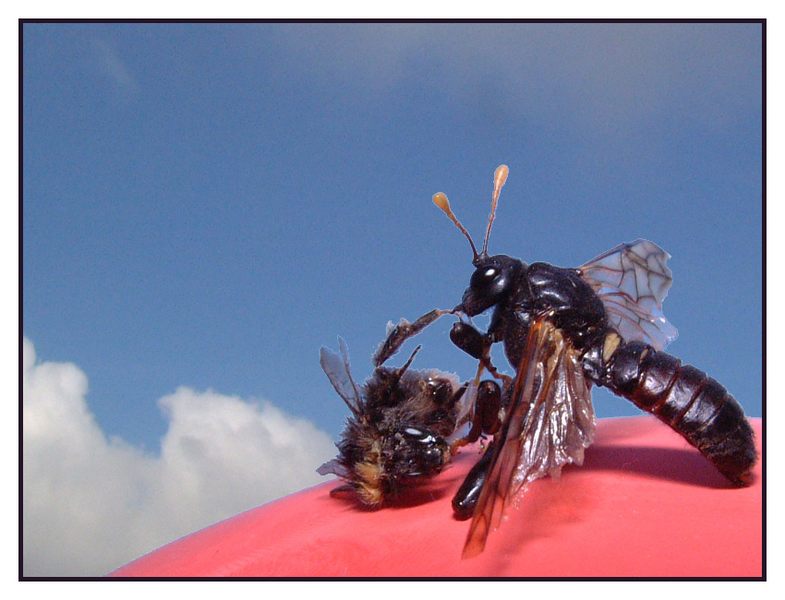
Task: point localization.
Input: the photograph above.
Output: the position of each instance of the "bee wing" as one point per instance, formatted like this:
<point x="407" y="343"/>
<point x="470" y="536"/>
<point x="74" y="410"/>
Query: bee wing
<point x="338" y="372"/>
<point x="632" y="280"/>
<point x="549" y="424"/>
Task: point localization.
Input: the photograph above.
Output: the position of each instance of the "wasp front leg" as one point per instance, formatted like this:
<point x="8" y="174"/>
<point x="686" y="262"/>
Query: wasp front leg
<point x="471" y="340"/>
<point x="478" y="345"/>
<point x="398" y="334"/>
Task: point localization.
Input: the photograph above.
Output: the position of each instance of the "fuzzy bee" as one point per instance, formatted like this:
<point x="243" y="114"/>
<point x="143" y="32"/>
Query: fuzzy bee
<point x="405" y="425"/>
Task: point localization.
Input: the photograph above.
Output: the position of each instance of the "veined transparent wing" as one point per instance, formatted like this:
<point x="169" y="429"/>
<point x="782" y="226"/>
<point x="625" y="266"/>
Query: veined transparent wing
<point x="336" y="367"/>
<point x="549" y="424"/>
<point x="632" y="280"/>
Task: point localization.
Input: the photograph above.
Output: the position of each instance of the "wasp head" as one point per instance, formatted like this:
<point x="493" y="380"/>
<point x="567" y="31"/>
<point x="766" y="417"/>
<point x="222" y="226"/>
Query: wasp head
<point x="493" y="280"/>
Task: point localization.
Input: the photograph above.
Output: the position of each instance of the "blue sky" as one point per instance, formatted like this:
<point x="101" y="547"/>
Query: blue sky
<point x="207" y="205"/>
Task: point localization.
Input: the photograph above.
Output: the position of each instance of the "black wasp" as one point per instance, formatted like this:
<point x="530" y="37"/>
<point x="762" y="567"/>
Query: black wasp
<point x="564" y="329"/>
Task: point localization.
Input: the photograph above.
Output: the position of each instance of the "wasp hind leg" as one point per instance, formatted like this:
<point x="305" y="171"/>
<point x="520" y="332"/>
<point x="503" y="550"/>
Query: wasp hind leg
<point x="465" y="499"/>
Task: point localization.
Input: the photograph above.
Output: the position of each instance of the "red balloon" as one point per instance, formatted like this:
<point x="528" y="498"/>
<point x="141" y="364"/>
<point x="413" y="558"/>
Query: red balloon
<point x="645" y="504"/>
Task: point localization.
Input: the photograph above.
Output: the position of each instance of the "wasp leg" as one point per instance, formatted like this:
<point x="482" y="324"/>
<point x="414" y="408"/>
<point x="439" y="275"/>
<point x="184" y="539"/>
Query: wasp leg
<point x="476" y="344"/>
<point x="486" y="414"/>
<point x="401" y="332"/>
<point x="465" y="499"/>
<point x="470" y="340"/>
<point x="505" y="379"/>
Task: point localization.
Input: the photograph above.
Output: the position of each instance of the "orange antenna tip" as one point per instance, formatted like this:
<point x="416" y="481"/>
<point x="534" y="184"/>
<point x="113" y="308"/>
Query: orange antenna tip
<point x="500" y="176"/>
<point x="440" y="200"/>
<point x="499" y="179"/>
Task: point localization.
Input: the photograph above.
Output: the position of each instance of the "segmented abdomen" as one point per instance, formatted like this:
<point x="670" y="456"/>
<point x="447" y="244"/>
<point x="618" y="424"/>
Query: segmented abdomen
<point x="687" y="399"/>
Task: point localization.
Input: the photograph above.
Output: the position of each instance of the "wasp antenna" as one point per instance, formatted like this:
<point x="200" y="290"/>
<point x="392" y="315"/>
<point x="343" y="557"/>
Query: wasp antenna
<point x="499" y="179"/>
<point x="402" y="370"/>
<point x="440" y="200"/>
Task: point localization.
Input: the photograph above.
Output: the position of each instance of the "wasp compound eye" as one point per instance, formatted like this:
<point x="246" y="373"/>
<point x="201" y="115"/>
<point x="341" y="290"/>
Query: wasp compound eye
<point x="483" y="276"/>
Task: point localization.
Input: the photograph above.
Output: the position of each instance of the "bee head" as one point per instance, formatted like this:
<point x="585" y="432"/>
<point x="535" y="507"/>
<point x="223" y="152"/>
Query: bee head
<point x="404" y="457"/>
<point x="417" y="453"/>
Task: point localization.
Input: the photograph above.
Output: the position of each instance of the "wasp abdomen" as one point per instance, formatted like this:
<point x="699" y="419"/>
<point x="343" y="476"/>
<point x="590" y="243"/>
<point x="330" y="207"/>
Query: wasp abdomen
<point x="687" y="399"/>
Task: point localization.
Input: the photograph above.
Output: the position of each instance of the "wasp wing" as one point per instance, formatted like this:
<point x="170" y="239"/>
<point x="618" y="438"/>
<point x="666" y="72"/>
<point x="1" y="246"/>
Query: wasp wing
<point x="336" y="367"/>
<point x="549" y="423"/>
<point x="632" y="280"/>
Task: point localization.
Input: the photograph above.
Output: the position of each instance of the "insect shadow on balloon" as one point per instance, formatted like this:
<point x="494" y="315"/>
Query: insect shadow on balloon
<point x="679" y="465"/>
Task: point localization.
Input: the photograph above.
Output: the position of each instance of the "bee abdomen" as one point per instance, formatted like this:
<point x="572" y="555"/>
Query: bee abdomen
<point x="689" y="401"/>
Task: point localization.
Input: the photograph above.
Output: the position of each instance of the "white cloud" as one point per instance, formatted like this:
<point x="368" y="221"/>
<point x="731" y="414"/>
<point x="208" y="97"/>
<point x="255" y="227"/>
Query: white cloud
<point x="92" y="503"/>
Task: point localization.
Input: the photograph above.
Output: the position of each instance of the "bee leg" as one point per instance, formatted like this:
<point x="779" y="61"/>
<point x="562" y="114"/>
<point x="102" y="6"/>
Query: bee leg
<point x="465" y="499"/>
<point x="342" y="490"/>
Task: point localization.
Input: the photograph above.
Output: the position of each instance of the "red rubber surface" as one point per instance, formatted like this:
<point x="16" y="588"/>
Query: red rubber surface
<point x="645" y="504"/>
